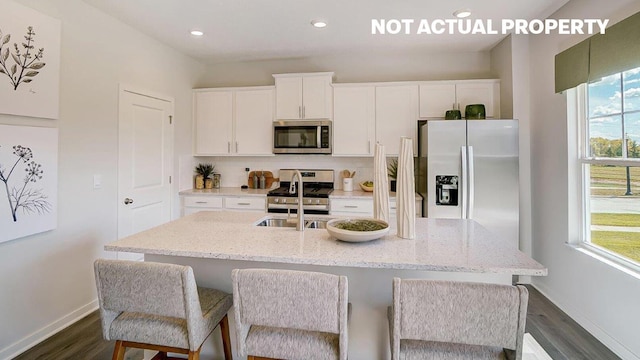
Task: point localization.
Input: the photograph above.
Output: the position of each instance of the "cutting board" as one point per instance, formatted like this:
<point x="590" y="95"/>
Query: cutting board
<point x="268" y="176"/>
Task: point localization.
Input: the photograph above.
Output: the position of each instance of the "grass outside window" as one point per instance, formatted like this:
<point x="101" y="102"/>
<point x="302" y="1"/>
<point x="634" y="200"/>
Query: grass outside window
<point x="615" y="226"/>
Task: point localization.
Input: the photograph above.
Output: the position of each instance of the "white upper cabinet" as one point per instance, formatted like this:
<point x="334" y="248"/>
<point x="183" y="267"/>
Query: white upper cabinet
<point x="396" y="116"/>
<point x="233" y="121"/>
<point x="438" y="97"/>
<point x="254" y="122"/>
<point x="213" y="115"/>
<point x="303" y="96"/>
<point x="487" y="93"/>
<point x="289" y="98"/>
<point x="354" y="120"/>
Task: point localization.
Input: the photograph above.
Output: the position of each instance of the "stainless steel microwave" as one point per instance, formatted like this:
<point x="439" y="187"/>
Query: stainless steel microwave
<point x="302" y="137"/>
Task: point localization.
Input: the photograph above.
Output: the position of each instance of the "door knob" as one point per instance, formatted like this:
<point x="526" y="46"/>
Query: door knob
<point x="128" y="201"/>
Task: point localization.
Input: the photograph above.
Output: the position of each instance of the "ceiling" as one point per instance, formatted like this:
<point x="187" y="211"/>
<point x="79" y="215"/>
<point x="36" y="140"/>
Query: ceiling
<point x="241" y="30"/>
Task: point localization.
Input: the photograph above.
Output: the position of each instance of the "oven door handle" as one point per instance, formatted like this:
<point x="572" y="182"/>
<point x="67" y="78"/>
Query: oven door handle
<point x="319" y="136"/>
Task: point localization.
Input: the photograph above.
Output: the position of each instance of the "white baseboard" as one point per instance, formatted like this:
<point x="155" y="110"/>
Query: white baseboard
<point x="47" y="331"/>
<point x="613" y="344"/>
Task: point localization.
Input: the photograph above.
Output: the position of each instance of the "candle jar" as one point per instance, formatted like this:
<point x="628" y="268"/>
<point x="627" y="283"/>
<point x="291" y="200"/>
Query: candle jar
<point x="216" y="181"/>
<point x="199" y="182"/>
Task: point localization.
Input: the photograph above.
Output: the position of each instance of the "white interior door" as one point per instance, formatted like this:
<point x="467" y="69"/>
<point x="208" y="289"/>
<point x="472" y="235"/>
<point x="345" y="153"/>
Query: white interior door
<point x="145" y="152"/>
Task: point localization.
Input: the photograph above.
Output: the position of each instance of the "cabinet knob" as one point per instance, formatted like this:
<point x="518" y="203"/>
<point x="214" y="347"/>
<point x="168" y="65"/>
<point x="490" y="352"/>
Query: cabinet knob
<point x="128" y="201"/>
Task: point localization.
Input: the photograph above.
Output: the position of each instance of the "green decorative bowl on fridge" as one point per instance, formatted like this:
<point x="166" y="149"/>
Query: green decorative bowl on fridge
<point x="452" y="115"/>
<point x="475" y="112"/>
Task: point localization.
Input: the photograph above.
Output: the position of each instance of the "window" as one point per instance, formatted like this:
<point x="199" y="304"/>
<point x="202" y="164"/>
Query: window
<point x="610" y="160"/>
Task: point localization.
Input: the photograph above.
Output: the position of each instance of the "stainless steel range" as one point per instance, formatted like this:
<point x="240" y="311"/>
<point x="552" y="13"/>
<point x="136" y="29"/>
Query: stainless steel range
<point x="318" y="184"/>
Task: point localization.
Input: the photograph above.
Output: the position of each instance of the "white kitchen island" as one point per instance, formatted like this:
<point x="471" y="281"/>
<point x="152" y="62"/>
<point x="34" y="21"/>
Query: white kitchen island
<point x="214" y="243"/>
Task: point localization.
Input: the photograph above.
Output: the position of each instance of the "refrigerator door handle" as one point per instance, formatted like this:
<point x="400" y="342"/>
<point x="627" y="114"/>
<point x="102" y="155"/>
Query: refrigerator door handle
<point x="462" y="183"/>
<point x="471" y="183"/>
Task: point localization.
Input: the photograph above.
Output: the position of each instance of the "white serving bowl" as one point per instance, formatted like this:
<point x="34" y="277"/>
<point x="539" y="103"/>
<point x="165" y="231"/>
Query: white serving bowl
<point x="356" y="236"/>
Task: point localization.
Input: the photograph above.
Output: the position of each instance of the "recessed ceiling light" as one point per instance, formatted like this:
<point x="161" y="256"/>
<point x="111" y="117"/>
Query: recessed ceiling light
<point x="318" y="23"/>
<point x="196" y="33"/>
<point x="462" y="13"/>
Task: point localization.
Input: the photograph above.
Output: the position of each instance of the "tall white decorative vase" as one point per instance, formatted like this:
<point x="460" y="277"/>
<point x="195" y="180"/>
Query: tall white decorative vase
<point x="406" y="191"/>
<point x="380" y="185"/>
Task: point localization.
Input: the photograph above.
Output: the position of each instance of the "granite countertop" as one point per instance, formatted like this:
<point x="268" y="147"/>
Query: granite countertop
<point x="225" y="191"/>
<point x="451" y="245"/>
<point x="236" y="191"/>
<point x="359" y="194"/>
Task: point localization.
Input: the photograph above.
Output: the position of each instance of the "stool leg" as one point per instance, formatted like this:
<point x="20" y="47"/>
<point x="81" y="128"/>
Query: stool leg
<point x="194" y="355"/>
<point x="226" y="341"/>
<point x="118" y="351"/>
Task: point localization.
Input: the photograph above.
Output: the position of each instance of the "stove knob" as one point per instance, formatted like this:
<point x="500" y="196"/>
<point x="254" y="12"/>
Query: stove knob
<point x="276" y="200"/>
<point x="318" y="201"/>
<point x="284" y="201"/>
<point x="308" y="201"/>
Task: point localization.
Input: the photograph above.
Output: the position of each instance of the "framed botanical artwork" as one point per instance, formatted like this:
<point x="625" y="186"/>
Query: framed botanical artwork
<point x="29" y="62"/>
<point x="28" y="180"/>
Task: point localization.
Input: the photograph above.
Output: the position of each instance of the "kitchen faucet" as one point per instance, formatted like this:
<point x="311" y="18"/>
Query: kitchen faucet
<point x="292" y="190"/>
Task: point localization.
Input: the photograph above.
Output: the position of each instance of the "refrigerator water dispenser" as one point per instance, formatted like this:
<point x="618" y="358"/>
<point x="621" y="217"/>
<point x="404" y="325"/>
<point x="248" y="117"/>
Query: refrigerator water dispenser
<point x="447" y="190"/>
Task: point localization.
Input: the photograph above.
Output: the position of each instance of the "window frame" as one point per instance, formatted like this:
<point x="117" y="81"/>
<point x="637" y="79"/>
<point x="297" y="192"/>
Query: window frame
<point x="578" y="111"/>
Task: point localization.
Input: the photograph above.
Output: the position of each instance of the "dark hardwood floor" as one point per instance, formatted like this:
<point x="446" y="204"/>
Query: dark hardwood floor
<point x="82" y="340"/>
<point x="560" y="336"/>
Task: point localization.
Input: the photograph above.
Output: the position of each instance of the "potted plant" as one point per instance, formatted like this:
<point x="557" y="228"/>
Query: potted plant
<point x="204" y="171"/>
<point x="392" y="170"/>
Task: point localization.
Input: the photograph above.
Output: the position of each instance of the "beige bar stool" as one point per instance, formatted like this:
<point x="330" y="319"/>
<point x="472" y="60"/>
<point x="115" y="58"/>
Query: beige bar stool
<point x="456" y="320"/>
<point x="284" y="314"/>
<point x="158" y="307"/>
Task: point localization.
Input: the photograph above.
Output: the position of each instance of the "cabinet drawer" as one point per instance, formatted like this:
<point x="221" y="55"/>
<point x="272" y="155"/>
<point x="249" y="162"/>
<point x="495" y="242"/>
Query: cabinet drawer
<point x="352" y="206"/>
<point x="393" y="207"/>
<point x="245" y="203"/>
<point x="203" y="201"/>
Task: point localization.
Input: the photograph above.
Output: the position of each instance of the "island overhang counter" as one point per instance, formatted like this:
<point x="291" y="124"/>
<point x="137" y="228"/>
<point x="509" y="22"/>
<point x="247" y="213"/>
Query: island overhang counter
<point x="215" y="242"/>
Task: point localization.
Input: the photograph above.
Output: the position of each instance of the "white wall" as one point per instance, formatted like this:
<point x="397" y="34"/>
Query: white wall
<point x="510" y="64"/>
<point x="47" y="279"/>
<point x="355" y="68"/>
<point x="601" y="298"/>
<point x="234" y="174"/>
<point x="501" y="68"/>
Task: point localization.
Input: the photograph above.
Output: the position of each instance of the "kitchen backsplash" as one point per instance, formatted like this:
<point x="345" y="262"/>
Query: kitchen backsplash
<point x="233" y="174"/>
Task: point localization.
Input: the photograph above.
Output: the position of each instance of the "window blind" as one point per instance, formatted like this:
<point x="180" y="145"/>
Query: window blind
<point x="572" y="66"/>
<point x="601" y="55"/>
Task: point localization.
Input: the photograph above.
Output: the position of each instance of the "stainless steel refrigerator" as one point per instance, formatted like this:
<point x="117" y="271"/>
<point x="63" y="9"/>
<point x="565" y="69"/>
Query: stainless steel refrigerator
<point x="469" y="170"/>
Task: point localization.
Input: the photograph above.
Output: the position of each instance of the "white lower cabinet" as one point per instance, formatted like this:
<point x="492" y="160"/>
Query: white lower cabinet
<point x="393" y="207"/>
<point x="245" y="203"/>
<point x="364" y="207"/>
<point x="352" y="207"/>
<point x="193" y="204"/>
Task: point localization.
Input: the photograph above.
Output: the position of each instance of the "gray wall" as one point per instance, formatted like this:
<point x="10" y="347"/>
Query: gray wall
<point x="356" y="67"/>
